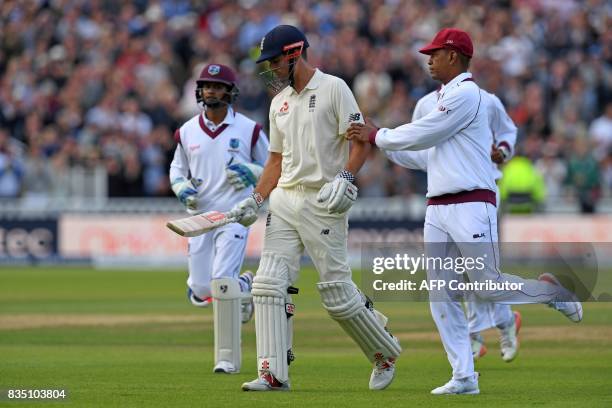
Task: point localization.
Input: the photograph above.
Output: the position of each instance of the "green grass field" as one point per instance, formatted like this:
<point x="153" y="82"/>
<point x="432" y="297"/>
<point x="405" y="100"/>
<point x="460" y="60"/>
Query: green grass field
<point x="129" y="338"/>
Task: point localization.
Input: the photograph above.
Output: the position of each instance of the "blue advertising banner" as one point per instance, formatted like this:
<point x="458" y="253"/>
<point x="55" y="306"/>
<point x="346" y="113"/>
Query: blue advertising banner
<point x="28" y="240"/>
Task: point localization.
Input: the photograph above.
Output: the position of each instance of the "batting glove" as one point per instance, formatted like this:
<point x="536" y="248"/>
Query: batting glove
<point x="245" y="212"/>
<point x="187" y="191"/>
<point x="339" y="194"/>
<point x="243" y="175"/>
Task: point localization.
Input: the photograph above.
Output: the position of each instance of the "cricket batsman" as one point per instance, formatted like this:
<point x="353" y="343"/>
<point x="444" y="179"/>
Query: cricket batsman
<point x="219" y="157"/>
<point x="309" y="179"/>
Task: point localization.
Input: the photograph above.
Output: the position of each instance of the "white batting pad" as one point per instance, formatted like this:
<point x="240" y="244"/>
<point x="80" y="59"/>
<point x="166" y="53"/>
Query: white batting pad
<point x="271" y="323"/>
<point x="347" y="305"/>
<point x="227" y="297"/>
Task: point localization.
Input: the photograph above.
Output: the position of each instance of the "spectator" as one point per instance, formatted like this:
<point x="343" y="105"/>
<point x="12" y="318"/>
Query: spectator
<point x="94" y="82"/>
<point x="372" y="87"/>
<point x="369" y="179"/>
<point x="11" y="166"/>
<point x="521" y="189"/>
<point x="606" y="173"/>
<point x="600" y="133"/>
<point x="583" y="176"/>
<point x="553" y="170"/>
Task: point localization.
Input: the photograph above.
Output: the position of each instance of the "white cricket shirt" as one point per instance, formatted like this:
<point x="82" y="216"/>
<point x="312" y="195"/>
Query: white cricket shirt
<point x="459" y="135"/>
<point x="503" y="129"/>
<point x="203" y="151"/>
<point x="308" y="129"/>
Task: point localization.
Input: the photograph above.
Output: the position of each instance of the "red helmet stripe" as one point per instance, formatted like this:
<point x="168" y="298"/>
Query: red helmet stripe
<point x="293" y="45"/>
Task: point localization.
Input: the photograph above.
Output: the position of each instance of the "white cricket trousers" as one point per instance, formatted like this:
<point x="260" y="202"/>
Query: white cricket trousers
<point x="296" y="221"/>
<point x="214" y="255"/>
<point x="469" y="230"/>
<point x="482" y="314"/>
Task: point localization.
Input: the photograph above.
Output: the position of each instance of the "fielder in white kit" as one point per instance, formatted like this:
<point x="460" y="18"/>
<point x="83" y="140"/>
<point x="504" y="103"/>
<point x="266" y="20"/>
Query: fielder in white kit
<point x="461" y="217"/>
<point x="219" y="157"/>
<point x="481" y="314"/>
<point x="309" y="180"/>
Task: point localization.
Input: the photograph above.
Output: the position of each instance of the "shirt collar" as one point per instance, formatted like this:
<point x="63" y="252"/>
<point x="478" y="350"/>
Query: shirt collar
<point x="314" y="82"/>
<point x="456" y="80"/>
<point x="228" y="120"/>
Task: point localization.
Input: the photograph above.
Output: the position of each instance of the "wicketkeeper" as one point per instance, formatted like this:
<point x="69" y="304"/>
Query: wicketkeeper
<point x="218" y="159"/>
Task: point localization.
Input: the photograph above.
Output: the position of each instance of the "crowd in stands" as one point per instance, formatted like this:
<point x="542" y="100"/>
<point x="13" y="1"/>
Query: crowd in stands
<point x="86" y="83"/>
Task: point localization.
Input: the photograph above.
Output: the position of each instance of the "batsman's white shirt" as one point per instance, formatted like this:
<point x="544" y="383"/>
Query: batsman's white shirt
<point x="308" y="129"/>
<point x="459" y="137"/>
<point x="203" y="151"/>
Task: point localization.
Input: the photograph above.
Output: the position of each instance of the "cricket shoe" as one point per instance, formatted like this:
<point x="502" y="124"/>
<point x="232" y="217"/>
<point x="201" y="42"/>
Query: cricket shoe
<point x="571" y="309"/>
<point x="196" y="301"/>
<point x="508" y="338"/>
<point x="265" y="382"/>
<point x="478" y="347"/>
<point x="225" y="367"/>
<point x="383" y="373"/>
<point x="246" y="305"/>
<point x="468" y="385"/>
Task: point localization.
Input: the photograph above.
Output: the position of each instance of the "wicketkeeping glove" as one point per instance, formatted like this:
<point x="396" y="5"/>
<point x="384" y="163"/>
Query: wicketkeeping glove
<point x="339" y="194"/>
<point x="187" y="191"/>
<point x="245" y="211"/>
<point x="242" y="175"/>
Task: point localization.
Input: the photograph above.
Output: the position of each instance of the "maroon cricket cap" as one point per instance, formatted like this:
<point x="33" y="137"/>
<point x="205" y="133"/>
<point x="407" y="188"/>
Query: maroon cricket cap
<point x="452" y="38"/>
<point x="218" y="73"/>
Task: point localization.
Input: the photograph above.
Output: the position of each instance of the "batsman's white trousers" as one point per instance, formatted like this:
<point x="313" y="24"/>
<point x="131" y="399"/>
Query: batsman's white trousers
<point x="296" y="222"/>
<point x="466" y="230"/>
<point x="214" y="255"/>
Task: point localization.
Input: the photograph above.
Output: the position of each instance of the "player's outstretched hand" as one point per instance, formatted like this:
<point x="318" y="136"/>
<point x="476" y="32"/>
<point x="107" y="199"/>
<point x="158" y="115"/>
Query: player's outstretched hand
<point x="243" y="175"/>
<point x="245" y="212"/>
<point x="339" y="194"/>
<point x="187" y="192"/>
<point x="361" y="132"/>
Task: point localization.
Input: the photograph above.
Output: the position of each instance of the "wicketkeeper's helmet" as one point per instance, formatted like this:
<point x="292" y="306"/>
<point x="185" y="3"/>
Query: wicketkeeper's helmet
<point x="217" y="73"/>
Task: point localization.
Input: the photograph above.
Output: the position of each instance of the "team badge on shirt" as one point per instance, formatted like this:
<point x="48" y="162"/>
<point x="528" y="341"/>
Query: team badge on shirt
<point x="234" y="144"/>
<point x="284" y="109"/>
<point x="312" y="102"/>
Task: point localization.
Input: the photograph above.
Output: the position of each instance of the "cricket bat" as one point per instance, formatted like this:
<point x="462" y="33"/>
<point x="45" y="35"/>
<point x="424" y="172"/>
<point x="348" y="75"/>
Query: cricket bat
<point x="199" y="224"/>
